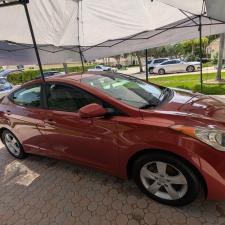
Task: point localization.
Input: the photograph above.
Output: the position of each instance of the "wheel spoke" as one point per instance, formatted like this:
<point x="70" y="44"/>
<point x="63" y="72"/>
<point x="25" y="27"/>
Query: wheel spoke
<point x="148" y="174"/>
<point x="161" y="167"/>
<point x="179" y="179"/>
<point x="153" y="188"/>
<point x="8" y="138"/>
<point x="172" y="192"/>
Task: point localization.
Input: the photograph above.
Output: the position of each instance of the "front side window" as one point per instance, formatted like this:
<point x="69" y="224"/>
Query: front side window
<point x="177" y="61"/>
<point x="29" y="96"/>
<point x="131" y="91"/>
<point x="67" y="98"/>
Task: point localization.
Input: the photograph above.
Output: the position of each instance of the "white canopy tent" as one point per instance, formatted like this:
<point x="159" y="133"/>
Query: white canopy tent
<point x="100" y="28"/>
<point x="74" y="30"/>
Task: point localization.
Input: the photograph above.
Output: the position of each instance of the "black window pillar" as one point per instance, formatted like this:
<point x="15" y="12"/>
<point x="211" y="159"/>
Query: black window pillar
<point x="201" y="54"/>
<point x="146" y="64"/>
<point x="24" y="2"/>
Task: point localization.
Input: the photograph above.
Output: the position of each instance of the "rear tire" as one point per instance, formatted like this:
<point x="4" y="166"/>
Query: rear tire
<point x="13" y="145"/>
<point x="190" y="69"/>
<point x="166" y="179"/>
<point x="161" y="71"/>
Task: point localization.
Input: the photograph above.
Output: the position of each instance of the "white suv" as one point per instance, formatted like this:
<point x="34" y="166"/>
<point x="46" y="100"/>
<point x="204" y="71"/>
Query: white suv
<point x="154" y="62"/>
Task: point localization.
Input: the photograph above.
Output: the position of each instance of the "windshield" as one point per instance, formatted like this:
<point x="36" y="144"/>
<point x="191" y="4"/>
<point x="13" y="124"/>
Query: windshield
<point x="129" y="90"/>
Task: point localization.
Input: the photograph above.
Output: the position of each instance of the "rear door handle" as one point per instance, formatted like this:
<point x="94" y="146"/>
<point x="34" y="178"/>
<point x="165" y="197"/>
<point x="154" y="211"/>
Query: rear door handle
<point x="50" y="121"/>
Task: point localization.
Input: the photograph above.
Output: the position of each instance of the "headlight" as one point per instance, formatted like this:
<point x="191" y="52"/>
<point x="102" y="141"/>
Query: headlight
<point x="211" y="136"/>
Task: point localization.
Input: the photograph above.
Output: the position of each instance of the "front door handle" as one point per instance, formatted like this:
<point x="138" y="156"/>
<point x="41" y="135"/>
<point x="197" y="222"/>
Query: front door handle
<point x="50" y="121"/>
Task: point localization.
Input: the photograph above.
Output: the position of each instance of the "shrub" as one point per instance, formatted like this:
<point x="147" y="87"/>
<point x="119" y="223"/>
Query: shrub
<point x="20" y="78"/>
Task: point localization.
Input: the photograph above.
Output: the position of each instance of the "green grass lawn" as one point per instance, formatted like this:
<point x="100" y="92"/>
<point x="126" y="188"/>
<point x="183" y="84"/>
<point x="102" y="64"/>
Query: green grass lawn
<point x="191" y="82"/>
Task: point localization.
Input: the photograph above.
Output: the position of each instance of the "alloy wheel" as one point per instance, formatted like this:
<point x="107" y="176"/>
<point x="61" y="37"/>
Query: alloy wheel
<point x="163" y="180"/>
<point x="12" y="144"/>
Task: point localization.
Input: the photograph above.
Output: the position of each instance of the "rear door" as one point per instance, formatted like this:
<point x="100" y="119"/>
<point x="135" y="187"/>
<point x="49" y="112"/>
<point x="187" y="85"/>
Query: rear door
<point x="179" y="66"/>
<point x="22" y="115"/>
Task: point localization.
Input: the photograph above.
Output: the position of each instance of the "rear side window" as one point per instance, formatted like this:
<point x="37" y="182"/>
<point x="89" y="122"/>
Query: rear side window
<point x="67" y="98"/>
<point x="160" y="60"/>
<point x="29" y="96"/>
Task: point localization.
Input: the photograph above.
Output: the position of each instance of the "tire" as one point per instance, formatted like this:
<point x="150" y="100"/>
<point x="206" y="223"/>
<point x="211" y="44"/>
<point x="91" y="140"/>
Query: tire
<point x="14" y="148"/>
<point x="155" y="185"/>
<point x="190" y="69"/>
<point x="161" y="71"/>
<point x="151" y="70"/>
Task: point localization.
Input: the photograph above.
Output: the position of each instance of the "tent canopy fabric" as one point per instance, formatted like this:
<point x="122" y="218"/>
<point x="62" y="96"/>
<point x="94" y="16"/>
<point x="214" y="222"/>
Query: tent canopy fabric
<point x="102" y="28"/>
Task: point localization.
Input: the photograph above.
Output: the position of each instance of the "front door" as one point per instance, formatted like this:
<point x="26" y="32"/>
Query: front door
<point x="89" y="141"/>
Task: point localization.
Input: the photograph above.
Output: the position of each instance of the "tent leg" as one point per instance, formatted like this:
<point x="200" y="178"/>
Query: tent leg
<point x="201" y="54"/>
<point x="82" y="59"/>
<point x="65" y="66"/>
<point x="34" y="41"/>
<point x="146" y="64"/>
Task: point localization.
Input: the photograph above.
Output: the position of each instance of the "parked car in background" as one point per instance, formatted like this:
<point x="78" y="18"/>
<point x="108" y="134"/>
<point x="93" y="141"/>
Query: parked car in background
<point x="100" y="68"/>
<point x="176" y="66"/>
<point x="171" y="142"/>
<point x="5" y="86"/>
<point x="5" y="73"/>
<point x="154" y="62"/>
<point x="51" y="73"/>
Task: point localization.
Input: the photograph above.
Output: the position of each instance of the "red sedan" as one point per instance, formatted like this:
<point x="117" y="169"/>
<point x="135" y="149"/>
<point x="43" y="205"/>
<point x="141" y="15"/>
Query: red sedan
<point x="171" y="142"/>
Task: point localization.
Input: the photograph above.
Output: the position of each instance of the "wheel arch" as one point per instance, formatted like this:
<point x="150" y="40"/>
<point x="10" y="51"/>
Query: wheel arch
<point x="149" y="151"/>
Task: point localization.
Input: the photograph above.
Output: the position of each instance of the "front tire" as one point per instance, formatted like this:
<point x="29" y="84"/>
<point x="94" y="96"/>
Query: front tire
<point x="13" y="145"/>
<point x="166" y="179"/>
<point x="161" y="71"/>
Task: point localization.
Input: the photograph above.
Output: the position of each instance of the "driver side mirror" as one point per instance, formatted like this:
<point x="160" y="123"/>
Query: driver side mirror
<point x="92" y="110"/>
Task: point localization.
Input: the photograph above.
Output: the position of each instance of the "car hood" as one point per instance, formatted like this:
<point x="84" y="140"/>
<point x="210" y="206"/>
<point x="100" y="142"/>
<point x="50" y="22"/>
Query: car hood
<point x="193" y="106"/>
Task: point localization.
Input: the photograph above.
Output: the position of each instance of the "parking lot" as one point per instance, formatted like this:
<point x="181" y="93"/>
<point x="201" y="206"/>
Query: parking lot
<point x="45" y="191"/>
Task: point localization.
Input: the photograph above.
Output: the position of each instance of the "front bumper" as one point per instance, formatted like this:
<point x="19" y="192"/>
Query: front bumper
<point x="212" y="166"/>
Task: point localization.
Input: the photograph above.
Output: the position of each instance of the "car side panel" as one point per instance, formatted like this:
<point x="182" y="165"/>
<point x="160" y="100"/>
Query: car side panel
<point x="134" y="136"/>
<point x="23" y="123"/>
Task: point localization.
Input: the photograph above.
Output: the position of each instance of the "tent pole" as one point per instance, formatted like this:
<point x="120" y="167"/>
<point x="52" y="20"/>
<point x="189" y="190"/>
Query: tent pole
<point x="34" y="40"/>
<point x="82" y="59"/>
<point x="201" y="54"/>
<point x="146" y="64"/>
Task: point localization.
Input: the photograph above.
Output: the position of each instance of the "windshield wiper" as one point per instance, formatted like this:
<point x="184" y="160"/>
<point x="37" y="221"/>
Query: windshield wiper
<point x="148" y="106"/>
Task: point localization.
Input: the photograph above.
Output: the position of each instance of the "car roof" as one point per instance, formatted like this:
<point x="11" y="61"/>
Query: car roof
<point x="70" y="77"/>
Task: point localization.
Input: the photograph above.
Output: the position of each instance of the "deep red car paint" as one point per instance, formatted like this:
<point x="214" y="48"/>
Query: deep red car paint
<point x="110" y="143"/>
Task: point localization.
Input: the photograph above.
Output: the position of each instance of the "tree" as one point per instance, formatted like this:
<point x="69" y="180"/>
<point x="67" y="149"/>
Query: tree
<point x="139" y="54"/>
<point x="117" y="58"/>
<point x="220" y="57"/>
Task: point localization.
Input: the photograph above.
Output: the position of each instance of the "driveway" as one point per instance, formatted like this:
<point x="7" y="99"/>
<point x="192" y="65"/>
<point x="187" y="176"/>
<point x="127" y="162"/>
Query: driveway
<point x="42" y="191"/>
